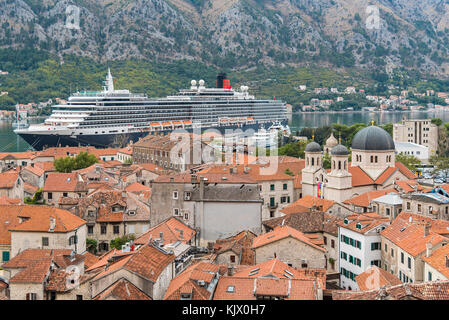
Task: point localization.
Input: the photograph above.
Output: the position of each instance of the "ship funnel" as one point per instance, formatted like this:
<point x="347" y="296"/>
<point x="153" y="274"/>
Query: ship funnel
<point x="220" y="79"/>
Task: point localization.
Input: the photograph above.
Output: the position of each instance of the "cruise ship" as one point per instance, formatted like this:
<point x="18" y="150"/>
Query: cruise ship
<point x="113" y="118"/>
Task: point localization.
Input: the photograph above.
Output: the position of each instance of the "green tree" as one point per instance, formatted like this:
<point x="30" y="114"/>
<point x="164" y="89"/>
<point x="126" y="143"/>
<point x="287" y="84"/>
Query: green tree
<point x="437" y="121"/>
<point x="118" y="242"/>
<point x="294" y="149"/>
<point x="409" y="161"/>
<point x="81" y="161"/>
<point x="91" y="245"/>
<point x="327" y="161"/>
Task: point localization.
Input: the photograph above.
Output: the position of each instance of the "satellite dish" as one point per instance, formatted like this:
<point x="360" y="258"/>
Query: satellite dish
<point x="193" y="82"/>
<point x="201" y="83"/>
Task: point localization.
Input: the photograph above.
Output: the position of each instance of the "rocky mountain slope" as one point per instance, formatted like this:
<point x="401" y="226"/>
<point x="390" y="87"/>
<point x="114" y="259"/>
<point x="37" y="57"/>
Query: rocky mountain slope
<point x="413" y="34"/>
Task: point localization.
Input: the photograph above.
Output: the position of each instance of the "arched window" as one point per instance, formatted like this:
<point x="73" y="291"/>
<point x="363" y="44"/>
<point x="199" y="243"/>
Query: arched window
<point x="345" y="165"/>
<point x="339" y="165"/>
<point x="375" y="159"/>
<point x="333" y="164"/>
<point x="313" y="161"/>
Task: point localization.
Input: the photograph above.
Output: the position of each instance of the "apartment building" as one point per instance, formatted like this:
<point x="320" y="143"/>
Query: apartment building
<point x="359" y="246"/>
<point x="422" y="132"/>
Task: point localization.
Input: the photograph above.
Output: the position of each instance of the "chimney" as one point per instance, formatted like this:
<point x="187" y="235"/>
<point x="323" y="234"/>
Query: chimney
<point x="161" y="236"/>
<point x="52" y="224"/>
<point x="428" y="249"/>
<point x="230" y="271"/>
<point x="426" y="229"/>
<point x="181" y="234"/>
<point x="97" y="168"/>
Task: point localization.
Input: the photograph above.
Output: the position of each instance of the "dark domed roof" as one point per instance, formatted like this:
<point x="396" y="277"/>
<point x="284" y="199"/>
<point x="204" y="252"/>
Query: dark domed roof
<point x="313" y="147"/>
<point x="339" y="150"/>
<point x="373" y="138"/>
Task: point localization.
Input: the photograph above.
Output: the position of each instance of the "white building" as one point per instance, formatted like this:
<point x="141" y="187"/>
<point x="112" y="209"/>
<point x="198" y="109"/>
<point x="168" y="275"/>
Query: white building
<point x="412" y="149"/>
<point x="359" y="246"/>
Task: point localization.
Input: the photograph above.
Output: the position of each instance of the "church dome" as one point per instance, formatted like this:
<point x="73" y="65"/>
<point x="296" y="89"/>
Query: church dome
<point x="331" y="141"/>
<point x="339" y="150"/>
<point x="313" y="147"/>
<point x="373" y="138"/>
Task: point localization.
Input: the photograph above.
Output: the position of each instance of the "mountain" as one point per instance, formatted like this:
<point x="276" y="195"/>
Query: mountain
<point x="239" y="34"/>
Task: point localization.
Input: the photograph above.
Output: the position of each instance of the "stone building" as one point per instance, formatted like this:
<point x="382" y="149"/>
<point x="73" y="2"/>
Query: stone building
<point x="177" y="152"/>
<point x="58" y="185"/>
<point x="290" y="246"/>
<point x="43" y="227"/>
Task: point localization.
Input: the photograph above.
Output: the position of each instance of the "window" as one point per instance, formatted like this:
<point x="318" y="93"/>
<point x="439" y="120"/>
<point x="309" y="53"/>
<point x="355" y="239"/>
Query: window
<point x="388" y="211"/>
<point x="90" y="213"/>
<point x="64" y="194"/>
<point x="375" y="246"/>
<point x="44" y="241"/>
<point x="31" y="296"/>
<point x="90" y="229"/>
<point x="386" y="247"/>
<point x="232" y="258"/>
<point x="187" y="195"/>
<point x="392" y="252"/>
<point x="175" y="211"/>
<point x="409" y="263"/>
<point x="419" y="208"/>
<point x="429" y="276"/>
<point x="408" y="205"/>
<point x="103" y="229"/>
<point x="325" y="240"/>
<point x="283" y="199"/>
<point x="116" y="229"/>
<point x="186" y="216"/>
<point x="402" y="257"/>
<point x="284" y="187"/>
<point x="73" y="240"/>
<point x="50" y="196"/>
<point x="5" y="256"/>
<point x="79" y="297"/>
<point x="332" y="243"/>
<point x="175" y="194"/>
<point x="272" y="200"/>
<point x="271" y="187"/>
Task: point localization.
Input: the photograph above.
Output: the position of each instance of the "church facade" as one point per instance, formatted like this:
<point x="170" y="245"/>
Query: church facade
<point x="373" y="167"/>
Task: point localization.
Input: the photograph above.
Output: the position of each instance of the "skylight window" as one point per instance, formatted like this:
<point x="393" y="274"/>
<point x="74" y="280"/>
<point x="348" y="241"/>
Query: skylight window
<point x="230" y="289"/>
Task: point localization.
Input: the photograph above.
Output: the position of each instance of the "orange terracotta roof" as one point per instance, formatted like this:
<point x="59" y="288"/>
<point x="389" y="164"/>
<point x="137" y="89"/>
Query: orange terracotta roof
<point x="376" y="278"/>
<point x="187" y="282"/>
<point x="171" y="229"/>
<point x="438" y="260"/>
<point x="147" y="262"/>
<point x="405" y="171"/>
<point x="37" y="170"/>
<point x="308" y="202"/>
<point x="4" y="200"/>
<point x="410" y="236"/>
<point x="89" y="259"/>
<point x="282" y="232"/>
<point x="37" y="218"/>
<point x="364" y="199"/>
<point x="122" y="290"/>
<point x="137" y="187"/>
<point x="243" y="288"/>
<point x="385" y="175"/>
<point x="8" y="179"/>
<point x="63" y="182"/>
<point x="408" y="186"/>
<point x="359" y="177"/>
<point x="368" y="221"/>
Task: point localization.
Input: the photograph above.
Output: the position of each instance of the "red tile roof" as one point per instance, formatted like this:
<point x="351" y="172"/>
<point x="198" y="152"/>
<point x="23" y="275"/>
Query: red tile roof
<point x="364" y="199"/>
<point x="37" y="218"/>
<point x="376" y="278"/>
<point x="187" y="282"/>
<point x="171" y="229"/>
<point x="438" y="260"/>
<point x="234" y="288"/>
<point x="306" y="203"/>
<point x="410" y="236"/>
<point x="64" y="182"/>
<point x="368" y="221"/>
<point x="8" y="179"/>
<point x="280" y="233"/>
<point x="122" y="290"/>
